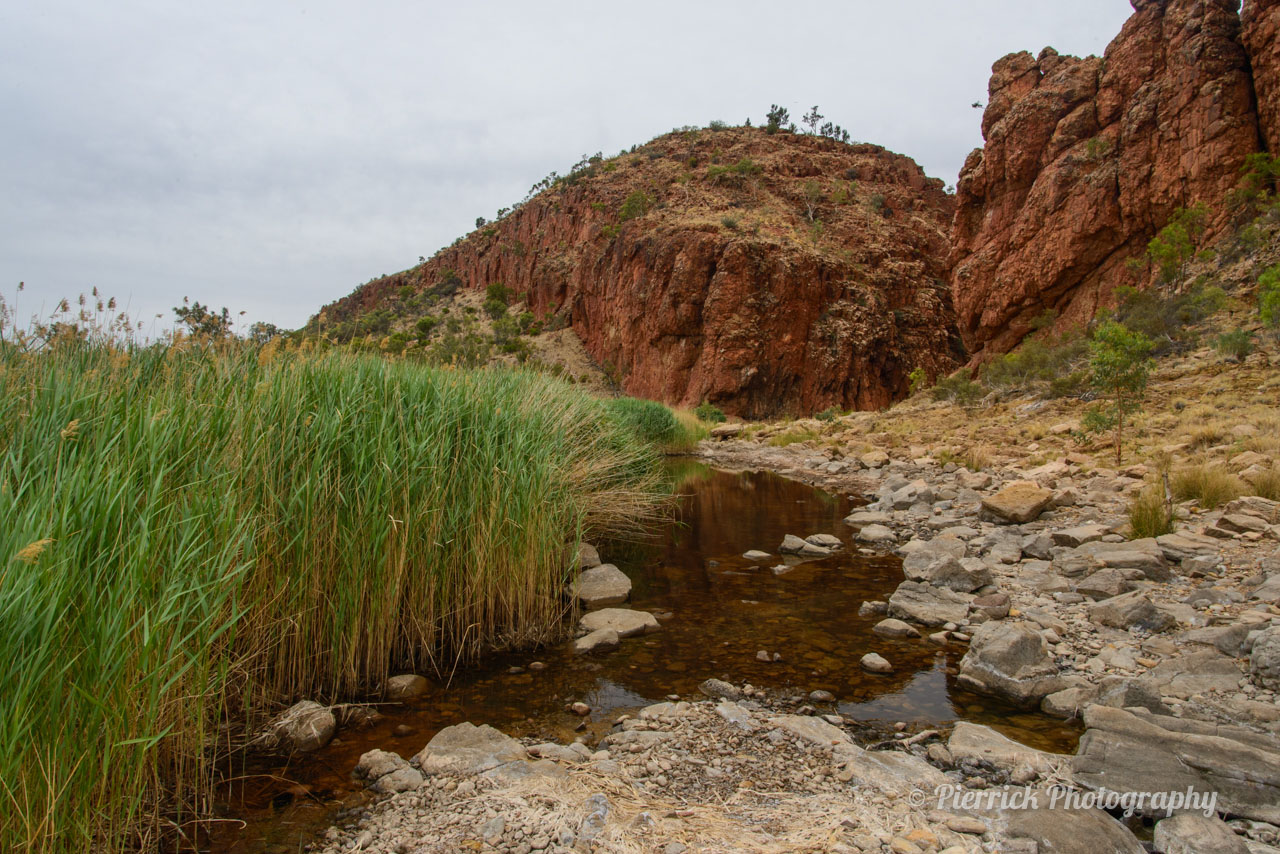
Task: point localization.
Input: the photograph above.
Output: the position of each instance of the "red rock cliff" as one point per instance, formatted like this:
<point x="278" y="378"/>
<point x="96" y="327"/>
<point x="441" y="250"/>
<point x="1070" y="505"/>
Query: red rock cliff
<point x="812" y="274"/>
<point x="1085" y="159"/>
<point x="1261" y="20"/>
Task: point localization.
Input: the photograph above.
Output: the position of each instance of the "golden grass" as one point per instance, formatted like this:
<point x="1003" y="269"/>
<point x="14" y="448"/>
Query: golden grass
<point x="1209" y="485"/>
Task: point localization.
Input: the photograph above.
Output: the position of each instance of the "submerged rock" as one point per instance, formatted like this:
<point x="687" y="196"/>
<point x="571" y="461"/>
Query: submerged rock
<point x="626" y="622"/>
<point x="602" y="585"/>
<point x="1011" y="661"/>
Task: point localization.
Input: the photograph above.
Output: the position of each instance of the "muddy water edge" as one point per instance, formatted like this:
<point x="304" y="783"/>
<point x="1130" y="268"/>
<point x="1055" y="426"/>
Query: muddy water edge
<point x="718" y="611"/>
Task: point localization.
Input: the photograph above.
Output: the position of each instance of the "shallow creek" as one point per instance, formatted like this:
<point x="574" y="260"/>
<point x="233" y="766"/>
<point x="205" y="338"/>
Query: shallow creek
<point x="717" y="611"/>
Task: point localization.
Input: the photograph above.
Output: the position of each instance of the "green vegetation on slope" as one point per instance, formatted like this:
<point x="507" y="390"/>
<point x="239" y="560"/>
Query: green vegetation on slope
<point x="192" y="534"/>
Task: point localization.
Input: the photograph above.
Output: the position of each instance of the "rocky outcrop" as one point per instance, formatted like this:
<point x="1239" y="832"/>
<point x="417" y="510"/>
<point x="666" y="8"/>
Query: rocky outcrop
<point x="1085" y="159"/>
<point x="1261" y="24"/>
<point x="767" y="274"/>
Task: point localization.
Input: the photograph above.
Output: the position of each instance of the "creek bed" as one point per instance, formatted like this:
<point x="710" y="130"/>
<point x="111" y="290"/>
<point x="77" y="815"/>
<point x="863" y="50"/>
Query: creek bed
<point x="717" y="609"/>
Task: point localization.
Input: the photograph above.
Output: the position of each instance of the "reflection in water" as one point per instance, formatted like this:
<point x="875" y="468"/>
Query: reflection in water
<point x="717" y="610"/>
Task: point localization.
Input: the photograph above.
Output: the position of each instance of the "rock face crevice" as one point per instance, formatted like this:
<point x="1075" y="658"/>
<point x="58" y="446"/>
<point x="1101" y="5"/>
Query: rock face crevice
<point x="729" y="289"/>
<point x="1085" y="159"/>
<point x="1260" y="23"/>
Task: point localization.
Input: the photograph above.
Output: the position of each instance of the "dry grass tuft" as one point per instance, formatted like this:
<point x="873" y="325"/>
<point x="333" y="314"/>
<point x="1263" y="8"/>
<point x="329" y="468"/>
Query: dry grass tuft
<point x="1210" y="486"/>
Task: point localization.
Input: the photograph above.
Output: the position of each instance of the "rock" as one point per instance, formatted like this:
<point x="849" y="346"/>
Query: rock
<point x="626" y="622"/>
<point x="726" y="431"/>
<point x="874" y="663"/>
<point x="1009" y="660"/>
<point x="1069" y="702"/>
<point x="811" y="729"/>
<point x="600" y="640"/>
<point x="892" y="628"/>
<point x="756" y="554"/>
<point x="736" y="715"/>
<point x="981" y="744"/>
<point x="1268" y="591"/>
<point x="820" y="696"/>
<point x="1136" y="751"/>
<point x="1190" y="833"/>
<point x="1264" y="661"/>
<point x="876" y="535"/>
<point x="873" y="609"/>
<point x="304" y="727"/>
<point x="892" y="773"/>
<point x="916" y="492"/>
<point x="405" y="686"/>
<point x="1130" y="610"/>
<point x="717" y="689"/>
<point x="1078" y="536"/>
<point x="1240" y="523"/>
<point x="826" y="541"/>
<point x="867" y="517"/>
<point x="1060" y="192"/>
<point x="587" y="556"/>
<point x="1042" y="825"/>
<point x="791" y="544"/>
<point x="928" y="605"/>
<point x="928" y="552"/>
<point x="874" y="459"/>
<point x="1019" y="502"/>
<point x="1143" y="555"/>
<point x="962" y="576"/>
<point x="378" y="763"/>
<point x="464" y="749"/>
<point x="1204" y="672"/>
<point x="994" y="606"/>
<point x="1254" y="505"/>
<point x="602" y="585"/>
<point x="1106" y="583"/>
<point x="1182" y="545"/>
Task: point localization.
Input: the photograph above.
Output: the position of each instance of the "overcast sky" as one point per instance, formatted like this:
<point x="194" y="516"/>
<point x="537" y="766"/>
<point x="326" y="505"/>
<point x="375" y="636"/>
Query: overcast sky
<point x="271" y="156"/>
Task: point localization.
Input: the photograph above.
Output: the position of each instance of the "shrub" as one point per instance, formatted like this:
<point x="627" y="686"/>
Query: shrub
<point x="958" y="388"/>
<point x="635" y="205"/>
<point x="793" y="436"/>
<point x="1269" y="297"/>
<point x="425" y="324"/>
<point x="657" y="424"/>
<point x="710" y="413"/>
<point x="495" y="308"/>
<point x="1036" y="361"/>
<point x="1165" y="319"/>
<point x="1235" y="345"/>
<point x="730" y="223"/>
<point x="1149" y="515"/>
<point x="828" y="414"/>
<point x="917" y="378"/>
<point x="498" y="292"/>
<point x="776" y="119"/>
<point x="1208" y="485"/>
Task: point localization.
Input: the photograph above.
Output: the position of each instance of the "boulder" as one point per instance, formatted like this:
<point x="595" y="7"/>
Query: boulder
<point x="587" y="556"/>
<point x="1020" y="502"/>
<point x="600" y="640"/>
<point x="1264" y="661"/>
<point x="1030" y="821"/>
<point x="1130" y="610"/>
<point x="1079" y="535"/>
<point x="978" y="744"/>
<point x="874" y="459"/>
<point x="719" y="689"/>
<point x="811" y="729"/>
<point x="1182" y="545"/>
<point x="405" y="686"/>
<point x="826" y="541"/>
<point x="993" y="606"/>
<point x="465" y="749"/>
<point x="602" y="585"/>
<point x="1143" y="555"/>
<point x="1126" y="750"/>
<point x="928" y="605"/>
<point x="1010" y="660"/>
<point x="756" y="554"/>
<point x="304" y="727"/>
<point x="1204" y="672"/>
<point x="925" y="553"/>
<point x="1106" y="583"/>
<point x="867" y="517"/>
<point x="875" y="663"/>
<point x="1192" y="833"/>
<point x="626" y="622"/>
<point x="876" y="535"/>
<point x="387" y="773"/>
<point x="891" y="628"/>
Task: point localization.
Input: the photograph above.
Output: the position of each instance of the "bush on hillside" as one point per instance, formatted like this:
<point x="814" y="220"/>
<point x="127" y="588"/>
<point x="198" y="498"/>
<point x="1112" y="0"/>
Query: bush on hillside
<point x="709" y="412"/>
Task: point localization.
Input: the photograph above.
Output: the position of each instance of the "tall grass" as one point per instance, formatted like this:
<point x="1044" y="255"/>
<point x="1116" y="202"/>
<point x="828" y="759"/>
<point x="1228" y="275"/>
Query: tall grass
<point x="190" y="536"/>
<point x="672" y="431"/>
<point x="1209" y="485"/>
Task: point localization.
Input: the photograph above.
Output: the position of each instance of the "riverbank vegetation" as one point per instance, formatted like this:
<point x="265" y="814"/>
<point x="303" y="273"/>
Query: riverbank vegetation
<point x="195" y="532"/>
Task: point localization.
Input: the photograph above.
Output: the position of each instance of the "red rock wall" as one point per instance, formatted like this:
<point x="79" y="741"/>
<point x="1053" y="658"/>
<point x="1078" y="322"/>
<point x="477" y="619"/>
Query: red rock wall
<point x="1261" y="23"/>
<point x="1085" y="159"/>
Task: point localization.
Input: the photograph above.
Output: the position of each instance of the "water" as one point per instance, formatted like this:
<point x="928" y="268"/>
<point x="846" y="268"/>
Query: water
<point x="717" y="611"/>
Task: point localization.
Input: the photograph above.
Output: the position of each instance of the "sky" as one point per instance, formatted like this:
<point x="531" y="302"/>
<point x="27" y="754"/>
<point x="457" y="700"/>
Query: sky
<point x="272" y="156"/>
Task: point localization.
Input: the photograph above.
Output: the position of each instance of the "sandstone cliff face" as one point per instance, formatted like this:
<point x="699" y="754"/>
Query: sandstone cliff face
<point x="726" y="290"/>
<point x="1261" y="24"/>
<point x="1085" y="159"/>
